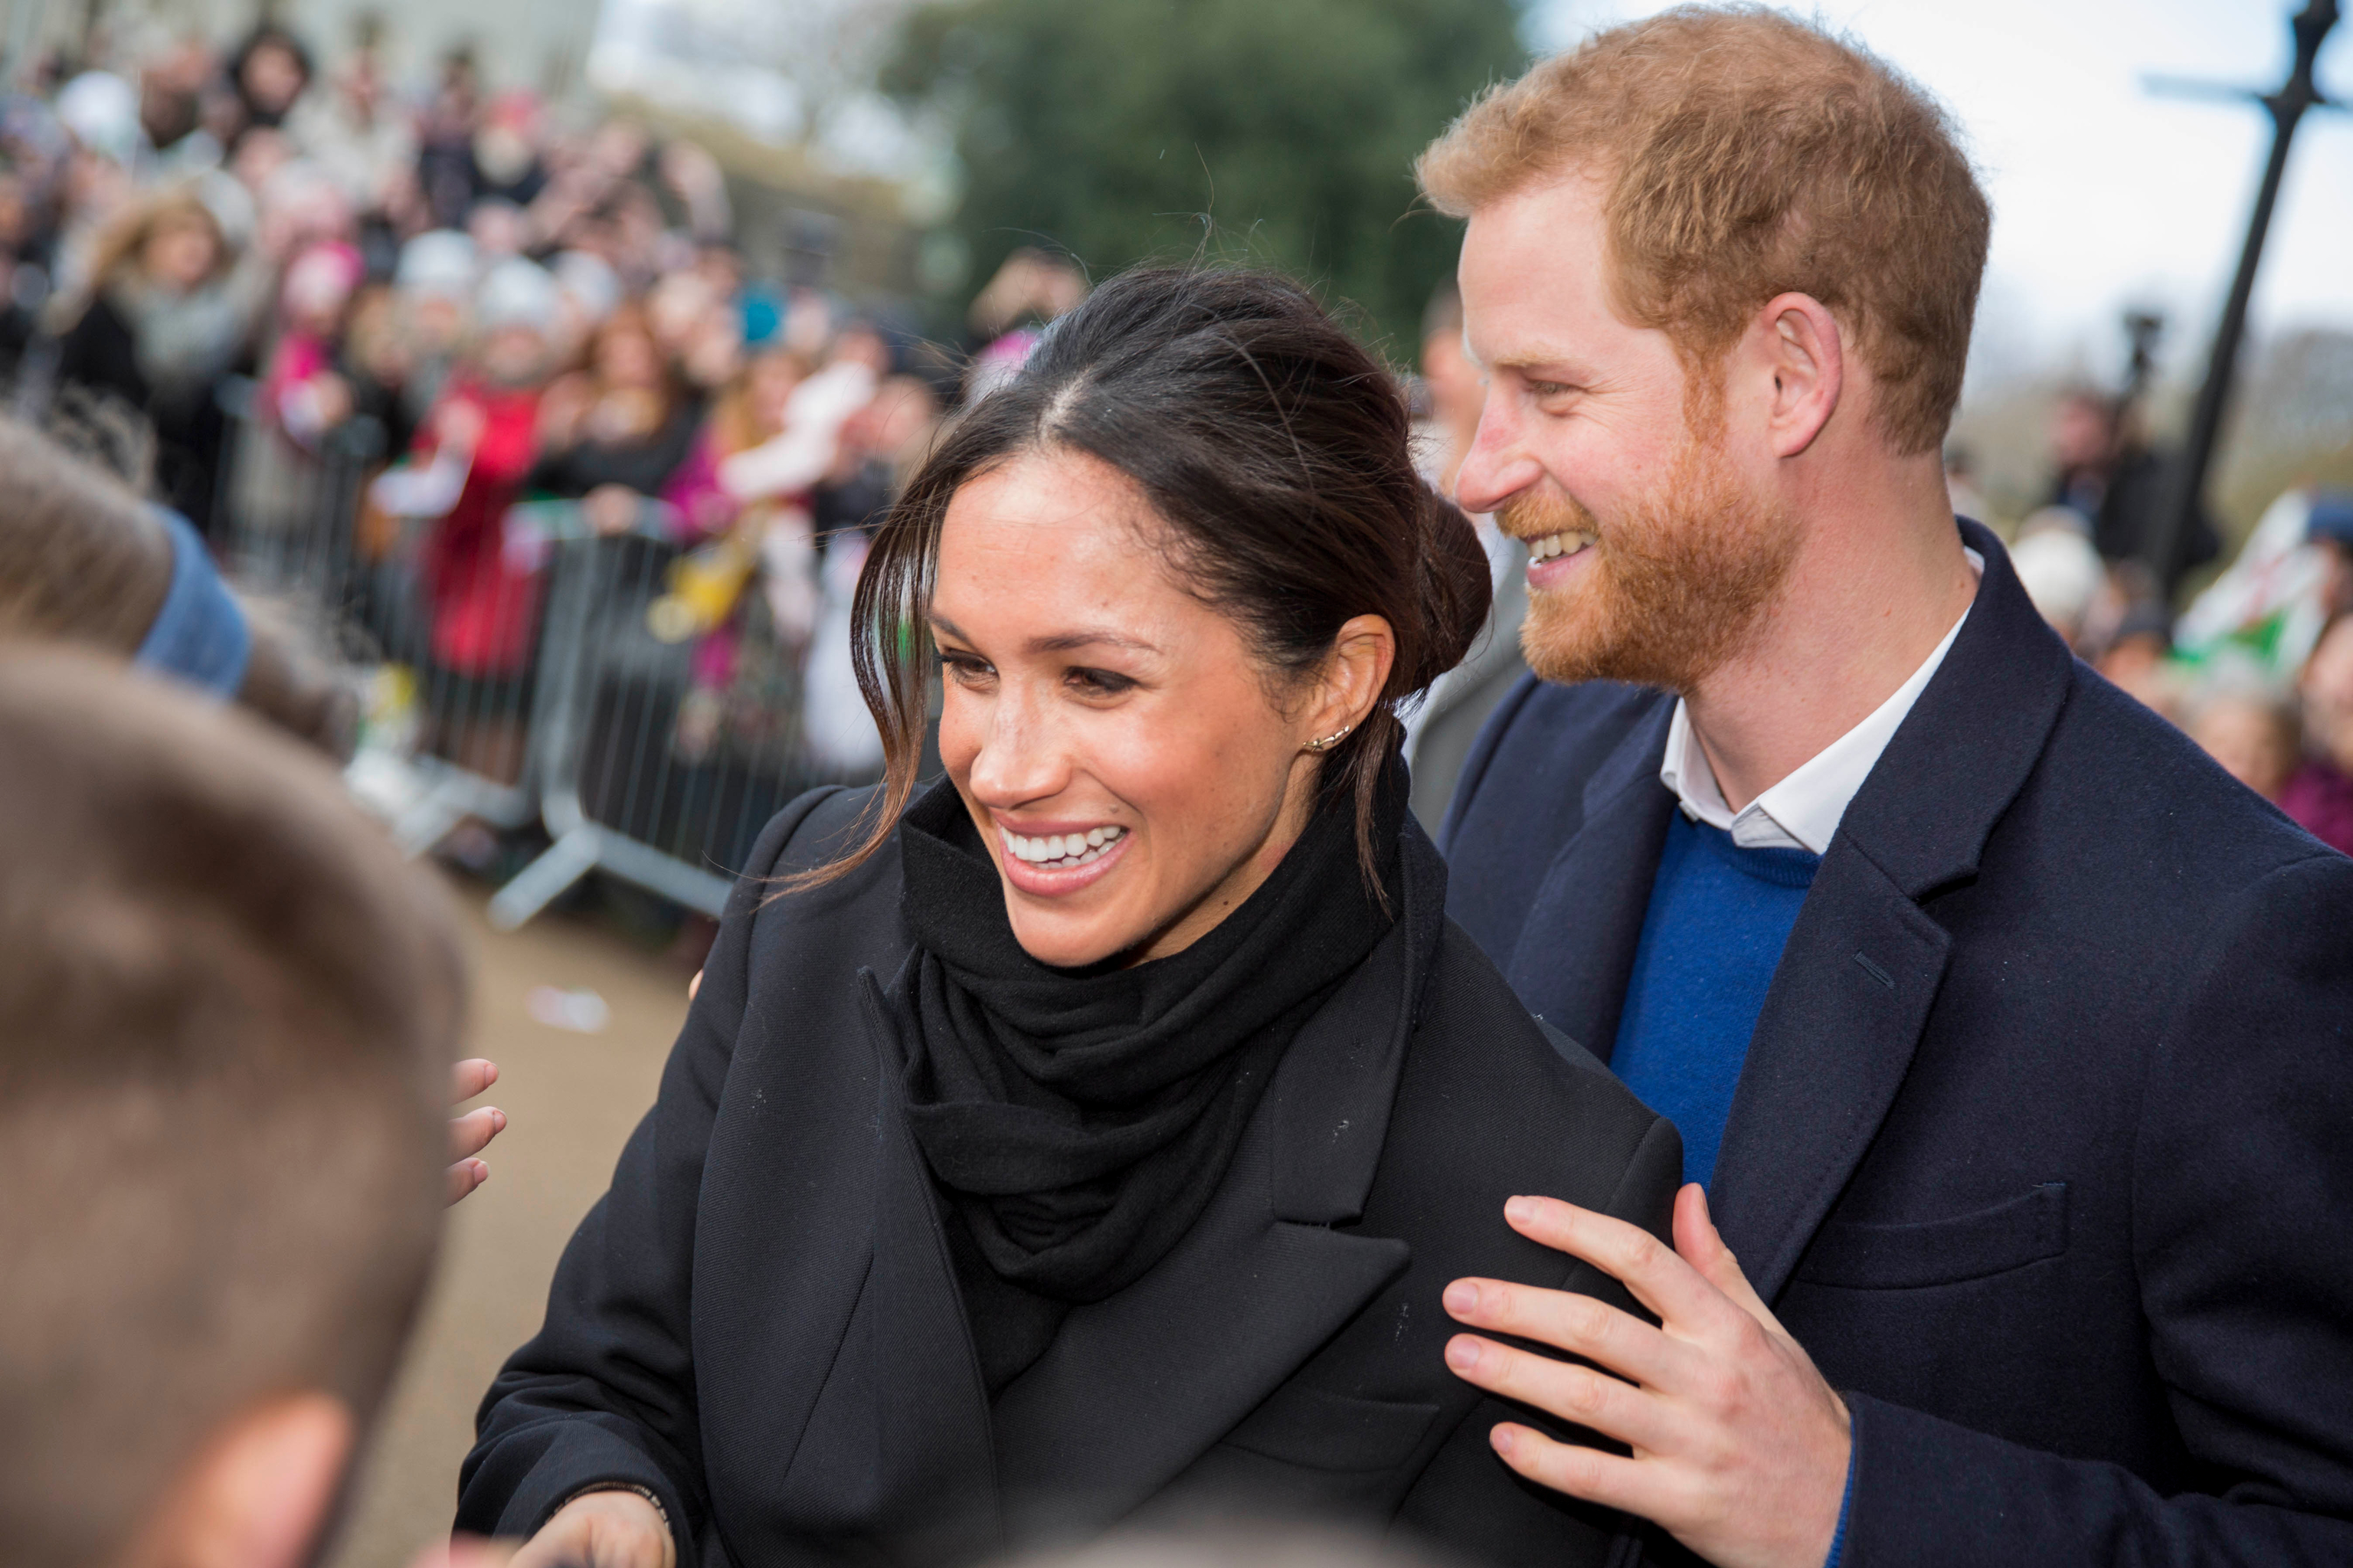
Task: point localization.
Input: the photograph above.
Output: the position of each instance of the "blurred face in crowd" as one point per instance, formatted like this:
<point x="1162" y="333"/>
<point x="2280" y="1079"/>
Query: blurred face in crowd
<point x="900" y="416"/>
<point x="626" y="357"/>
<point x="513" y="355"/>
<point x="862" y="345"/>
<point x="1133" y="768"/>
<point x="2251" y="739"/>
<point x="770" y="382"/>
<point x="676" y="305"/>
<point x="1655" y="544"/>
<point x="1456" y="391"/>
<point x="499" y="227"/>
<point x="272" y="77"/>
<point x="260" y="154"/>
<point x="2328" y="690"/>
<point x="181" y="251"/>
<point x="2080" y="433"/>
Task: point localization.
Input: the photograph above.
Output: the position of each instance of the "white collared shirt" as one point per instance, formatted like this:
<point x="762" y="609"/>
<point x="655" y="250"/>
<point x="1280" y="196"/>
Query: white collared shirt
<point x="1801" y="811"/>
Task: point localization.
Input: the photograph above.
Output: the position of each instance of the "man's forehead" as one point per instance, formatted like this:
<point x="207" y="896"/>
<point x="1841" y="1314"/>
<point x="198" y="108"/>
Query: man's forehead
<point x="1534" y="278"/>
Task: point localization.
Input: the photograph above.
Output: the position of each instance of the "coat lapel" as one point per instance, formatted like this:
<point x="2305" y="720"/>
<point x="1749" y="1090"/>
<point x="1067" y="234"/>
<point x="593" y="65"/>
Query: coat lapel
<point x="1136" y="1387"/>
<point x="896" y="1444"/>
<point x="1830" y="1049"/>
<point x="1861" y="970"/>
<point x="1576" y="947"/>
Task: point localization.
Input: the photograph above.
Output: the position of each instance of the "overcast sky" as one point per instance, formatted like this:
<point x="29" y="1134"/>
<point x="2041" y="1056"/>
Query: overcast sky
<point x="2104" y="194"/>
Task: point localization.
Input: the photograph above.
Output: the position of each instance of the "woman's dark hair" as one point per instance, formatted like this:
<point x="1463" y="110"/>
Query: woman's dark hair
<point x="1274" y="448"/>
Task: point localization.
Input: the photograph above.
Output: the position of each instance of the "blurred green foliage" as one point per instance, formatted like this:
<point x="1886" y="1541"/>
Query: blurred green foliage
<point x="1277" y="132"/>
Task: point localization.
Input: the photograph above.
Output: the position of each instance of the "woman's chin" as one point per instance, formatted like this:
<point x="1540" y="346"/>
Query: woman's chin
<point x="1062" y="917"/>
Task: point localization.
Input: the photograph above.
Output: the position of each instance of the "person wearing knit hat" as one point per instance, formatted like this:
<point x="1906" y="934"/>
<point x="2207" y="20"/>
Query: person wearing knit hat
<point x="464" y="471"/>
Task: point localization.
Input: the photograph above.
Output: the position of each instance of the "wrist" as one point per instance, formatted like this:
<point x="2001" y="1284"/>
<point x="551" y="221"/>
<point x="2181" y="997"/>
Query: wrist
<point x="608" y="1499"/>
<point x="1833" y="1557"/>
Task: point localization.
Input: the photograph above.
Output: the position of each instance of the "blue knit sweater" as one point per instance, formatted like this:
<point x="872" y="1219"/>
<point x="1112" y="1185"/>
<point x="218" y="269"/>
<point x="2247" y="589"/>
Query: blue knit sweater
<point x="1719" y="916"/>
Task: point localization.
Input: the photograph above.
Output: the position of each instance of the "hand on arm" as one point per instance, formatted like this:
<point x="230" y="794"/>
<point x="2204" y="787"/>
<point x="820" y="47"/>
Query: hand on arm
<point x="472" y="1133"/>
<point x="1739" y="1448"/>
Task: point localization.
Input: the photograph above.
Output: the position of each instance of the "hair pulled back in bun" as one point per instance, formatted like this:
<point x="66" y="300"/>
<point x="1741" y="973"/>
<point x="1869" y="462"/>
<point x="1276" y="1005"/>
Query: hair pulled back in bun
<point x="1275" y="449"/>
<point x="1457" y="590"/>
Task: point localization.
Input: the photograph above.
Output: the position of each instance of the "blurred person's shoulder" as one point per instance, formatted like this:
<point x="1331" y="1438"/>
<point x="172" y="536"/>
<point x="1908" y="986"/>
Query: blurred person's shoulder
<point x="1542" y="747"/>
<point x="1566" y="731"/>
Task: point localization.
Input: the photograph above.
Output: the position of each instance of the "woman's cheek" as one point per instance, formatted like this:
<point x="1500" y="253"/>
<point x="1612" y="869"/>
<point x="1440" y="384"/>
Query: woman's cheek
<point x="960" y="723"/>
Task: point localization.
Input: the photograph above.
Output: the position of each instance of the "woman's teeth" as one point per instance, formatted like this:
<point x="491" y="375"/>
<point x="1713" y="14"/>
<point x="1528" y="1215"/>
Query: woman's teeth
<point x="1062" y="852"/>
<point x="1551" y="545"/>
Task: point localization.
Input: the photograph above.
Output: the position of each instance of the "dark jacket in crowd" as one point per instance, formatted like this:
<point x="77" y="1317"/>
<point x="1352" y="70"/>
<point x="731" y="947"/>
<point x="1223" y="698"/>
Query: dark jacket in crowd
<point x="100" y="355"/>
<point x="2043" y="1147"/>
<point x="643" y="465"/>
<point x="2126" y="507"/>
<point x="761" y="1323"/>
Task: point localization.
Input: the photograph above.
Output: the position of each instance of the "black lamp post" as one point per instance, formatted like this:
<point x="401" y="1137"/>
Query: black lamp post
<point x="2176" y="517"/>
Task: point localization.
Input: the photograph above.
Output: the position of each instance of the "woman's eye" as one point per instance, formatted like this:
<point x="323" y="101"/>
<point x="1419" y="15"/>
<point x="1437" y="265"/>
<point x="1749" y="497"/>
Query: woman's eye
<point x="964" y="669"/>
<point x="1100" y="682"/>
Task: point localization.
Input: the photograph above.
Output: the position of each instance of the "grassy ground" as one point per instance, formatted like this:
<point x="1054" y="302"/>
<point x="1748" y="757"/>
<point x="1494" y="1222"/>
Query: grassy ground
<point x="571" y="1100"/>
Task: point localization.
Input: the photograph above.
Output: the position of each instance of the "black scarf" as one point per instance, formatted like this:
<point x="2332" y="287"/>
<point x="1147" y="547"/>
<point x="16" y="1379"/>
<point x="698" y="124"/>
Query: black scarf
<point x="1080" y="1119"/>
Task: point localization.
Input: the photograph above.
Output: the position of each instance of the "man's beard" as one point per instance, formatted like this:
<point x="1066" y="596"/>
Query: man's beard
<point x="1676" y="583"/>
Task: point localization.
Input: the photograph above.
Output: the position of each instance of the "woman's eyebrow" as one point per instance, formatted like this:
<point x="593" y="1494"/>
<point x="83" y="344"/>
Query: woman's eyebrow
<point x="1062" y="642"/>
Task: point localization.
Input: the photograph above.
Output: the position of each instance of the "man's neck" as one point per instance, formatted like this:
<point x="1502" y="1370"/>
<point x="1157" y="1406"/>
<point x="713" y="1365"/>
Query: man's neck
<point x="1865" y="604"/>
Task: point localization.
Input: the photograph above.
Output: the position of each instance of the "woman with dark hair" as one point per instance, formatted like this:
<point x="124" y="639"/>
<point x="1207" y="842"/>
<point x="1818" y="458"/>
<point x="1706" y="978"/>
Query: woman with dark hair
<point x="167" y="310"/>
<point x="1092" y="1132"/>
<point x="612" y="434"/>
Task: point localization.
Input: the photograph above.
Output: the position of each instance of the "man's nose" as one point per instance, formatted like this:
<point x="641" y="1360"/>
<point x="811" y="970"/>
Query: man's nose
<point x="1497" y="467"/>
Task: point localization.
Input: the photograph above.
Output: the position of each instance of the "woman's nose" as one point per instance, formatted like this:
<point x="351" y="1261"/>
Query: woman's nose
<point x="1020" y="759"/>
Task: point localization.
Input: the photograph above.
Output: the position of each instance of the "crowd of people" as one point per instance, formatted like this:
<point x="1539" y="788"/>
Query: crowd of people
<point x="1844" y="1082"/>
<point x="2258" y="668"/>
<point x="492" y="303"/>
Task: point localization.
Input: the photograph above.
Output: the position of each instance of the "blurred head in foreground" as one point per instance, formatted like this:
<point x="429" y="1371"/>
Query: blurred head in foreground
<point x="84" y="560"/>
<point x="1240" y="1543"/>
<point x="228" y="1011"/>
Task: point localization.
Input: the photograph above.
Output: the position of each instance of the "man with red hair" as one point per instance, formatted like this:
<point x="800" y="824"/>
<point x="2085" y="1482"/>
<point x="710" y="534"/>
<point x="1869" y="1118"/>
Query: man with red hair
<point x="2011" y="1039"/>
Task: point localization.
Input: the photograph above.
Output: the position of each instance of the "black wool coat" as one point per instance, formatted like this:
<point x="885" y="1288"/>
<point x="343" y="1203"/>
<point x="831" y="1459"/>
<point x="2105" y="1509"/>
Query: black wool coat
<point x="760" y="1324"/>
<point x="2043" y="1147"/>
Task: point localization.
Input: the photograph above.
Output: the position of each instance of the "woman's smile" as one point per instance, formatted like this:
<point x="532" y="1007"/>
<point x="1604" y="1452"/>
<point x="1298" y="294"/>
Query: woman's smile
<point x="1055" y="864"/>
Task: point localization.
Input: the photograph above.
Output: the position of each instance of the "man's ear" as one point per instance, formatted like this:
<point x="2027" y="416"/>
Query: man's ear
<point x="1805" y="354"/>
<point x="258" y="1493"/>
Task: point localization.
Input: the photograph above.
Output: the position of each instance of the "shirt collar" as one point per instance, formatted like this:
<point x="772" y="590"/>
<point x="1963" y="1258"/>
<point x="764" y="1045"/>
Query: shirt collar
<point x="1803" y="811"/>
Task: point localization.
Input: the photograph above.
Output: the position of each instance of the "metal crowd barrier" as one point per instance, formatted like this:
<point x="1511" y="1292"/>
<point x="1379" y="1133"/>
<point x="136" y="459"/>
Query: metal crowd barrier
<point x="298" y="533"/>
<point x="290" y="505"/>
<point x="649" y="714"/>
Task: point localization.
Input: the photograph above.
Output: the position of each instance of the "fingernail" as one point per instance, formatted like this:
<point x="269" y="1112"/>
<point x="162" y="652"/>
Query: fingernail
<point x="1461" y="1353"/>
<point x="498" y="1120"/>
<point x="1462" y="1298"/>
<point x="1520" y="1210"/>
<point x="1501" y="1438"/>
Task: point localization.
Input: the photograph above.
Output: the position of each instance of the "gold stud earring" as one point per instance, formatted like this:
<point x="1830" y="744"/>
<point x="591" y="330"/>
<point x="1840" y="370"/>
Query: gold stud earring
<point x="1329" y="741"/>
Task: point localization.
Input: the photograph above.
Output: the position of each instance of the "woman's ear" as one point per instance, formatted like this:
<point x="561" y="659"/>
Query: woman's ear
<point x="1353" y="676"/>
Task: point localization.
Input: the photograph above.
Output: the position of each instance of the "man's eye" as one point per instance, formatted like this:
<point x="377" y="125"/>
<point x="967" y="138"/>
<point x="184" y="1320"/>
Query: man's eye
<point x="1100" y="682"/>
<point x="1547" y="391"/>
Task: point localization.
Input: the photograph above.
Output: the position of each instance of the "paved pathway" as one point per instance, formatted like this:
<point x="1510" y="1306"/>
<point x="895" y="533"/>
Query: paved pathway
<point x="571" y="1100"/>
